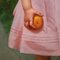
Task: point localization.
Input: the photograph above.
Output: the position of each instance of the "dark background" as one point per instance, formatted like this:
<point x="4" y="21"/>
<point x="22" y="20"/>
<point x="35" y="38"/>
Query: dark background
<point x="6" y="9"/>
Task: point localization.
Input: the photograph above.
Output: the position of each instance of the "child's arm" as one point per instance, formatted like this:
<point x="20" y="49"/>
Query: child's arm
<point x="29" y="12"/>
<point x="26" y="4"/>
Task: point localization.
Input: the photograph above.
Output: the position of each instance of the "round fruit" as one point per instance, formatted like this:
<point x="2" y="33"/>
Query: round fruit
<point x="38" y="21"/>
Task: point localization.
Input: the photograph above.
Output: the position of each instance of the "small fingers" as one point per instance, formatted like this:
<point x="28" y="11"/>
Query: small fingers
<point x="39" y="13"/>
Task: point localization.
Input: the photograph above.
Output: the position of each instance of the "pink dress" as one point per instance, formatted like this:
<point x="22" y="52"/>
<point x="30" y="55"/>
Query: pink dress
<point x="45" y="42"/>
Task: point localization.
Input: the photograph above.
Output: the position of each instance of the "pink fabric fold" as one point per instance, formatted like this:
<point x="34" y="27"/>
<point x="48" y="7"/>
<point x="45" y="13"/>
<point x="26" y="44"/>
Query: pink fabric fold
<point x="45" y="42"/>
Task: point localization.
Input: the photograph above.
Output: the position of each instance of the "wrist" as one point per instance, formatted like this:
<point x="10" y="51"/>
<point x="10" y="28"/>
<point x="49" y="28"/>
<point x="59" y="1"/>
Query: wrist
<point x="27" y="8"/>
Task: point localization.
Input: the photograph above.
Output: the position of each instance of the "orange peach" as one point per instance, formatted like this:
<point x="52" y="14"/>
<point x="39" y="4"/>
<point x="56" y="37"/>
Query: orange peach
<point x="38" y="21"/>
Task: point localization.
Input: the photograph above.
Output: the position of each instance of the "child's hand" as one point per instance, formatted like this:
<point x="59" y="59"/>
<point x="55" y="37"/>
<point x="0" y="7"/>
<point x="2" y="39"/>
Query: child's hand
<point x="28" y="18"/>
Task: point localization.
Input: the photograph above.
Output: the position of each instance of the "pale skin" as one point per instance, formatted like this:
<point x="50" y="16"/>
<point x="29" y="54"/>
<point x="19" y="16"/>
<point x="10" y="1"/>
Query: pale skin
<point x="29" y="11"/>
<point x="28" y="14"/>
